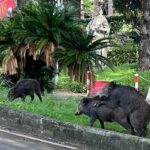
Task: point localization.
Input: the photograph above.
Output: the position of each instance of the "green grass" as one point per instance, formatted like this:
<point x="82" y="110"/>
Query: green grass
<point x="60" y="109"/>
<point x="54" y="108"/>
<point x="124" y="74"/>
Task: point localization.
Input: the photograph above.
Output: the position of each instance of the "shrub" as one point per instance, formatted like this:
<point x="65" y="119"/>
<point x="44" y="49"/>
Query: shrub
<point x="66" y="84"/>
<point x="76" y="87"/>
<point x="43" y="74"/>
<point x="125" y="52"/>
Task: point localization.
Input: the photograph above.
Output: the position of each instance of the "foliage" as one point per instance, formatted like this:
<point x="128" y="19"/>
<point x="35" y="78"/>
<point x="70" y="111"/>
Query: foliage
<point x="45" y="77"/>
<point x="60" y="109"/>
<point x="79" y="54"/>
<point x="67" y="85"/>
<point x="39" y="30"/>
<point x="87" y="7"/>
<point x="131" y="10"/>
<point x="116" y="23"/>
<point x="86" y="3"/>
<point x="5" y="80"/>
<point x="7" y="42"/>
<point x="55" y="108"/>
<point x="125" y="52"/>
<point x="30" y="42"/>
<point x="44" y="27"/>
<point x="124" y="74"/>
<point x="43" y="74"/>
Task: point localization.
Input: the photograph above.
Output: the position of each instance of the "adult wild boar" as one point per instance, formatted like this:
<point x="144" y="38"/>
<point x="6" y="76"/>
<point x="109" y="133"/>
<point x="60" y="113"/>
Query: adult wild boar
<point x="131" y="101"/>
<point x="88" y="106"/>
<point x="23" y="88"/>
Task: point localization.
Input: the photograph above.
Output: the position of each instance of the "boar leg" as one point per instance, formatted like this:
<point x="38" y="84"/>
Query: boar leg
<point x="139" y="122"/>
<point x="39" y="96"/>
<point x="142" y="132"/>
<point x="102" y="124"/>
<point x="32" y="97"/>
<point x="126" y="125"/>
<point x="23" y="97"/>
<point x="92" y="120"/>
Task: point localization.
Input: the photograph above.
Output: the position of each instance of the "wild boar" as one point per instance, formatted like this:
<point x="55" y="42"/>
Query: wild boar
<point x="88" y="106"/>
<point x="129" y="100"/>
<point x="24" y="88"/>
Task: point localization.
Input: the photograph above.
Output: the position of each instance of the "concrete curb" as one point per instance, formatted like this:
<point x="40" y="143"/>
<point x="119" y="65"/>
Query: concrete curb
<point x="86" y="138"/>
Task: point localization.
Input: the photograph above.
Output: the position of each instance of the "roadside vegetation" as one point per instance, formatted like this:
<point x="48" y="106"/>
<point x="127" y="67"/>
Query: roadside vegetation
<point x="59" y="37"/>
<point x="64" y="109"/>
<point x="55" y="108"/>
<point x="123" y="74"/>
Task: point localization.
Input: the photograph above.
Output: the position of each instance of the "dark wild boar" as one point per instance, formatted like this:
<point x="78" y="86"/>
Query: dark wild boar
<point x="24" y="88"/>
<point x="126" y="97"/>
<point x="103" y="113"/>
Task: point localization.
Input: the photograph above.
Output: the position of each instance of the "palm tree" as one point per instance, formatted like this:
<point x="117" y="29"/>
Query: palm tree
<point x="79" y="54"/>
<point x="37" y="33"/>
<point x="7" y="44"/>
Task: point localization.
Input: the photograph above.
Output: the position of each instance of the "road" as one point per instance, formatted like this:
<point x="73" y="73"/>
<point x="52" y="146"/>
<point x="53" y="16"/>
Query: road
<point x="15" y="141"/>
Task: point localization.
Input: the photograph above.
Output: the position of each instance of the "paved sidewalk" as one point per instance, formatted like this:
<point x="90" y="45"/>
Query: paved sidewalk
<point x="15" y="141"/>
<point x="67" y="95"/>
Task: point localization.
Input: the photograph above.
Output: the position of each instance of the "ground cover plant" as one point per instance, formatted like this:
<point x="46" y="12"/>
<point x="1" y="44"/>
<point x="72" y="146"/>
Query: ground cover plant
<point x="54" y="108"/>
<point x="64" y="109"/>
<point x="123" y="74"/>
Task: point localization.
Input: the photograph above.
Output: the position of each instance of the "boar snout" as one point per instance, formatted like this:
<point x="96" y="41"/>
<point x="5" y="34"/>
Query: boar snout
<point x="77" y="113"/>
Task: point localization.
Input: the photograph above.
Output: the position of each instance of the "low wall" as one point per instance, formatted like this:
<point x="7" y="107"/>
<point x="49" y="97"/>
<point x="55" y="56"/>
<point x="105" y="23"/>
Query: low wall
<point x="86" y="137"/>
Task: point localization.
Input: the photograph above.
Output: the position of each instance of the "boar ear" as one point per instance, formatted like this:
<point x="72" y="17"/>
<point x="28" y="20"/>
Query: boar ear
<point x="112" y="85"/>
<point x="96" y="97"/>
<point x="103" y="98"/>
<point x="85" y="101"/>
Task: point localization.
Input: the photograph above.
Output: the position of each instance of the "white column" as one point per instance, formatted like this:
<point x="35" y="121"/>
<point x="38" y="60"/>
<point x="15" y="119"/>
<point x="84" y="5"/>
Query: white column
<point x="81" y="10"/>
<point x="56" y="76"/>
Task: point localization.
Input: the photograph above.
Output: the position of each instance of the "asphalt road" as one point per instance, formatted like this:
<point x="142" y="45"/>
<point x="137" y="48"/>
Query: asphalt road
<point x="12" y="141"/>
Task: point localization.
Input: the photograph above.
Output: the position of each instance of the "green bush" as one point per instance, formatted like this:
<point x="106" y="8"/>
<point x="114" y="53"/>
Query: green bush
<point x="125" y="52"/>
<point x="66" y="84"/>
<point x="72" y="86"/>
<point x="116" y="23"/>
<point x="43" y="74"/>
<point x="76" y="87"/>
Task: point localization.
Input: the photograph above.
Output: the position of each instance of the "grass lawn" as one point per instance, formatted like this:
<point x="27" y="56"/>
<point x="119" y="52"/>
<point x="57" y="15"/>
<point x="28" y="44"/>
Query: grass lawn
<point x="64" y="110"/>
<point x="54" y="108"/>
<point x="124" y="74"/>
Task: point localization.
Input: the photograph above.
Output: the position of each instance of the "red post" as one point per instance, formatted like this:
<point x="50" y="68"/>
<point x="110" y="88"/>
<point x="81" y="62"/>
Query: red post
<point x="88" y="82"/>
<point x="136" y="81"/>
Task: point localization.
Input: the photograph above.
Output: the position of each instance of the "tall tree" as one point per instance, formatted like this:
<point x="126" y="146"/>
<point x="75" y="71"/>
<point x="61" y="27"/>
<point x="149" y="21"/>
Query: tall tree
<point x="131" y="10"/>
<point x="144" y="60"/>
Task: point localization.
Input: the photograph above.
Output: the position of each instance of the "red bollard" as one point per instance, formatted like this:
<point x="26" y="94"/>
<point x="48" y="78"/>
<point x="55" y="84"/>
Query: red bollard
<point x="88" y="82"/>
<point x="136" y="81"/>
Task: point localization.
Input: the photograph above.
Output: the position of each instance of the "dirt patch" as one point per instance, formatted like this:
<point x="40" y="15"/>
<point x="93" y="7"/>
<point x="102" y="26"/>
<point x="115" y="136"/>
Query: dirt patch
<point x="67" y="94"/>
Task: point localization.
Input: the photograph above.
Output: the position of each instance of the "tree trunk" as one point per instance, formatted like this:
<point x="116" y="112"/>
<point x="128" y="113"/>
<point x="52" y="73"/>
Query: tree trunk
<point x="144" y="59"/>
